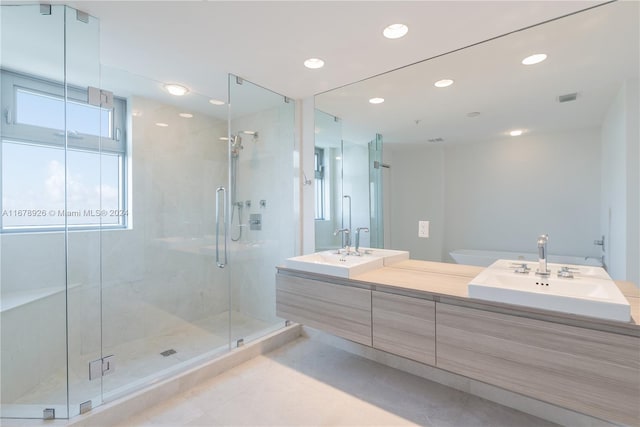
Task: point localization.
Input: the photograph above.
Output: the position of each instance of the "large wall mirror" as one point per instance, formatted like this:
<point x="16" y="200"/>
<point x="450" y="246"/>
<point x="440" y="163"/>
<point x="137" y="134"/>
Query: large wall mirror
<point x="572" y="172"/>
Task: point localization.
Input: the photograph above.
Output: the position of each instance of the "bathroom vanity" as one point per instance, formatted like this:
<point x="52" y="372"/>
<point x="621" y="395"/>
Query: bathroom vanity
<point x="421" y="310"/>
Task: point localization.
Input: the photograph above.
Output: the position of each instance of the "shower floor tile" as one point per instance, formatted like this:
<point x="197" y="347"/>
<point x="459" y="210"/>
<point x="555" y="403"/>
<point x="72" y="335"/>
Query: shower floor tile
<point x="140" y="361"/>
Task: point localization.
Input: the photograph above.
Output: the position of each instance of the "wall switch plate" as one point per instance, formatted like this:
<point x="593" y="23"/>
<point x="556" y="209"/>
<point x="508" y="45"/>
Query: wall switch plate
<point x="423" y="229"/>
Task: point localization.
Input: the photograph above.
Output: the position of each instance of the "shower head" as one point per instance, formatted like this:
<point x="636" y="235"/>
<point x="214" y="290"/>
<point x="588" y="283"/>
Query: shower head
<point x="236" y="141"/>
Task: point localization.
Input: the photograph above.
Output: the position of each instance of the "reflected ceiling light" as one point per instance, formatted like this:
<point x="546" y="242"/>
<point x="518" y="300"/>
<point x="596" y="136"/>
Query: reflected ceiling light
<point x="443" y="83"/>
<point x="338" y="158"/>
<point x="516" y="132"/>
<point x="395" y="31"/>
<point x="136" y="113"/>
<point x="186" y="115"/>
<point x="162" y="125"/>
<point x="176" y="89"/>
<point x="534" y="59"/>
<point x="314" y="63"/>
<point x="376" y="100"/>
<point x="249" y="132"/>
<point x="216" y="102"/>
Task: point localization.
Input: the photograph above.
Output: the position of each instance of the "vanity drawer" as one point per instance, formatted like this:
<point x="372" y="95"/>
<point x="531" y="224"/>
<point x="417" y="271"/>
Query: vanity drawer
<point x="404" y="326"/>
<point x="593" y="372"/>
<point x="341" y="310"/>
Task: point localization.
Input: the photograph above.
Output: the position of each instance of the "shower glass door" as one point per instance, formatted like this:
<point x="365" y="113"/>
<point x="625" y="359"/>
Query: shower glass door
<point x="376" y="178"/>
<point x="165" y="303"/>
<point x="262" y="226"/>
<point x="51" y="161"/>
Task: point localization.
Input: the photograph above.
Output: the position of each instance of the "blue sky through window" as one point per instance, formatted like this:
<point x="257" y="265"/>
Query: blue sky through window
<point x="33" y="178"/>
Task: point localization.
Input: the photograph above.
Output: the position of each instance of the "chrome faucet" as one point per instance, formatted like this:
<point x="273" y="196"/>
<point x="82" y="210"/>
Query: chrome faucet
<point x="358" y="230"/>
<point x="345" y="232"/>
<point x="542" y="255"/>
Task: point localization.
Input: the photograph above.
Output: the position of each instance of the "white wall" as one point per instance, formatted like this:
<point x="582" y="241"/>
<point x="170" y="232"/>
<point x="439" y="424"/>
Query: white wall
<point x="620" y="205"/>
<point x="416" y="193"/>
<point x="498" y="195"/>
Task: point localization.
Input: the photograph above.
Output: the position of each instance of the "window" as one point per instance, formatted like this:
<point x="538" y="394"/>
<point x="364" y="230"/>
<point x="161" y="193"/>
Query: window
<point x="320" y="184"/>
<point x="44" y="185"/>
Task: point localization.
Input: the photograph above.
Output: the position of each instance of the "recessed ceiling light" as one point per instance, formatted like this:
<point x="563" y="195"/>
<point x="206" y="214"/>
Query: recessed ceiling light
<point x="473" y="114"/>
<point x="186" y="115"/>
<point x="223" y="138"/>
<point x="534" y="59"/>
<point x="443" y="83"/>
<point x="314" y="63"/>
<point x="395" y="31"/>
<point x="176" y="89"/>
<point x="216" y="102"/>
<point x="516" y="132"/>
<point x="162" y="125"/>
<point x="376" y="100"/>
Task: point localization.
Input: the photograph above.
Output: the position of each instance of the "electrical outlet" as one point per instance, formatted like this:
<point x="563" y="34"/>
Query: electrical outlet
<point x="423" y="229"/>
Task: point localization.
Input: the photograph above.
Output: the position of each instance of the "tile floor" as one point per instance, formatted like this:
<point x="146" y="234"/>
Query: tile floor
<point x="139" y="362"/>
<point x="308" y="382"/>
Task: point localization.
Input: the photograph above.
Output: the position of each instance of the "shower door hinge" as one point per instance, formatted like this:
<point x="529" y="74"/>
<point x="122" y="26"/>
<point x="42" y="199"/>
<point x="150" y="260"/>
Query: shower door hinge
<point x="45" y="9"/>
<point x="101" y="367"/>
<point x="99" y="98"/>
<point x="239" y="80"/>
<point x="49" y="414"/>
<point x="287" y="99"/>
<point x="82" y="16"/>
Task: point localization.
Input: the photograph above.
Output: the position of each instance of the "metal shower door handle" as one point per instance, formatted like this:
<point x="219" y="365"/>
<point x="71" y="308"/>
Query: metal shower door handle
<point x="224" y="207"/>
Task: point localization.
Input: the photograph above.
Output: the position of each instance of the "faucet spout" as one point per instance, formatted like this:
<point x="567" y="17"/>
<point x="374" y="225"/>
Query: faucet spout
<point x="542" y="255"/>
<point x="346" y="233"/>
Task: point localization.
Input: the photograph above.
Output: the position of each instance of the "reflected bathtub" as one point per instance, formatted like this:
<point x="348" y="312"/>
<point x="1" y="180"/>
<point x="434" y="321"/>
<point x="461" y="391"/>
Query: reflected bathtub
<point x="486" y="258"/>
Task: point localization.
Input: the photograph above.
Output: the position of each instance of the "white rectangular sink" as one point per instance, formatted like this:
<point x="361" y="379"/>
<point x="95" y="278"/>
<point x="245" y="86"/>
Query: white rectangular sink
<point x="332" y="264"/>
<point x="591" y="292"/>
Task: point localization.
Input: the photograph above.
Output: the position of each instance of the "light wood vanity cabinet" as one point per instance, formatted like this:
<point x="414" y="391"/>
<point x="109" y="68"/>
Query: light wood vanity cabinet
<point x="341" y="310"/>
<point x="593" y="372"/>
<point x="404" y="326"/>
<point x="586" y="370"/>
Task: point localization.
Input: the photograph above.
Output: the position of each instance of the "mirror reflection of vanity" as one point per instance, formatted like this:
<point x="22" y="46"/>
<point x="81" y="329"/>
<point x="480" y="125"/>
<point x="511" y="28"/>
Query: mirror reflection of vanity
<point x="572" y="173"/>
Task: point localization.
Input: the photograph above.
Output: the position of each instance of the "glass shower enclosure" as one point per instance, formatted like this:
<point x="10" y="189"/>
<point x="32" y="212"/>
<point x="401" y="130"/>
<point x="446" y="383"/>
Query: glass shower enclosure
<point x="112" y="273"/>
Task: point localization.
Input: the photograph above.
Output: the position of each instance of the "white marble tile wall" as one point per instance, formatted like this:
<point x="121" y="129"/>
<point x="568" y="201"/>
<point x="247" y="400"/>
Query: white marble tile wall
<point x="265" y="173"/>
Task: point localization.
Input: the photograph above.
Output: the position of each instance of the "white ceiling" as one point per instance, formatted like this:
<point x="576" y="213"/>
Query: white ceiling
<point x="592" y="53"/>
<point x="197" y="43"/>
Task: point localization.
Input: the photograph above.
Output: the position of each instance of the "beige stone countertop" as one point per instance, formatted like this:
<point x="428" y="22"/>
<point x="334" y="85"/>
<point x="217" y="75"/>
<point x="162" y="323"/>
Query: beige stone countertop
<point x="448" y="283"/>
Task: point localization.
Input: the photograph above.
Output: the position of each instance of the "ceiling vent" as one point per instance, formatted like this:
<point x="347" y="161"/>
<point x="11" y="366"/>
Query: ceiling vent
<point x="435" y="140"/>
<point x="568" y="97"/>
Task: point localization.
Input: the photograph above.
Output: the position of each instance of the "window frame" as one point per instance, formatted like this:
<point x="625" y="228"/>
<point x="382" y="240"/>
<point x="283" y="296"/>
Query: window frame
<point x="12" y="132"/>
